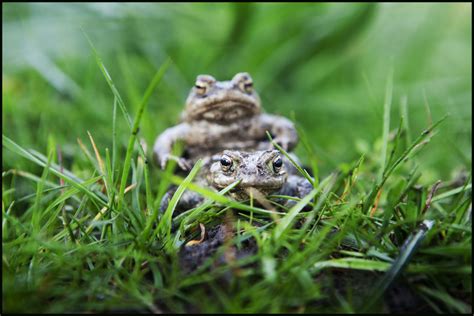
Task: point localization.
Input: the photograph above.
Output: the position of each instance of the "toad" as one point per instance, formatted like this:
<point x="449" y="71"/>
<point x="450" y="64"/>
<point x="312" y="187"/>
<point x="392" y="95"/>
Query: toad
<point x="260" y="173"/>
<point x="223" y="115"/>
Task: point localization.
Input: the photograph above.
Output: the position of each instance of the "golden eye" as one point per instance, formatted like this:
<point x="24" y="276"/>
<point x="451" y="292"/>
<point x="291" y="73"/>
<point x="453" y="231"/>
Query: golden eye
<point x="246" y="84"/>
<point x="226" y="163"/>
<point x="248" y="87"/>
<point x="200" y="88"/>
<point x="203" y="84"/>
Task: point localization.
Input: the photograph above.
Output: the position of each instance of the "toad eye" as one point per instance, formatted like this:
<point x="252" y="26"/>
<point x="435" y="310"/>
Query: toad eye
<point x="203" y="84"/>
<point x="244" y="82"/>
<point x="226" y="162"/>
<point x="246" y="85"/>
<point x="200" y="89"/>
<point x="277" y="164"/>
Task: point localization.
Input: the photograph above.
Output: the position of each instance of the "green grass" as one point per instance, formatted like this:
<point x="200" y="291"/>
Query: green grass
<point x="81" y="227"/>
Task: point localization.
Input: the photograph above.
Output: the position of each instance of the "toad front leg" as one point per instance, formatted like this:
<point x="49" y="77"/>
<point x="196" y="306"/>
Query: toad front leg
<point x="164" y="145"/>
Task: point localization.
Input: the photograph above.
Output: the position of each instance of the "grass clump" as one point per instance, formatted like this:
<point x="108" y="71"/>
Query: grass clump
<point x="81" y="226"/>
<point x="98" y="244"/>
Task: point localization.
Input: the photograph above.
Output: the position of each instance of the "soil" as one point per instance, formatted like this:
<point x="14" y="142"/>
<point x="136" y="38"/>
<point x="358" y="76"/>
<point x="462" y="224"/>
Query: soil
<point x="191" y="257"/>
<point x="399" y="298"/>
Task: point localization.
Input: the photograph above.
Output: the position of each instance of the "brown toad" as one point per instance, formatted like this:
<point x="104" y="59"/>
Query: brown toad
<point x="261" y="173"/>
<point x="223" y="115"/>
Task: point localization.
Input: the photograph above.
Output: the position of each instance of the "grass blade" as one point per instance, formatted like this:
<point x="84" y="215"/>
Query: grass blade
<point x="285" y="222"/>
<point x="303" y="172"/>
<point x="11" y="145"/>
<point x="164" y="226"/>
<point x="131" y="142"/>
<point x="407" y="251"/>
<point x="386" y="124"/>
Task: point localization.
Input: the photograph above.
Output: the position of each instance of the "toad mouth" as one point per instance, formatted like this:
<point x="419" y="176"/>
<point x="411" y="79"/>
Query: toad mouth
<point x="229" y="104"/>
<point x="261" y="198"/>
<point x="252" y="189"/>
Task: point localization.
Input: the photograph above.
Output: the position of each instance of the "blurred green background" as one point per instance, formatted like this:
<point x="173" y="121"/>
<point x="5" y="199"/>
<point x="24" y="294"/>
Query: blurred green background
<point x="326" y="64"/>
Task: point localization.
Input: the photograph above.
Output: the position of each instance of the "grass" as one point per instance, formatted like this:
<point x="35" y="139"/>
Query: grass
<point x="81" y="227"/>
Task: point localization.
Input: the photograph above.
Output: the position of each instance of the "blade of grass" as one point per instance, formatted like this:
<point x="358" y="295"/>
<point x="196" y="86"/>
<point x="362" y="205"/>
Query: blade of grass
<point x="39" y="156"/>
<point x="395" y="144"/>
<point x="97" y="154"/>
<point x="36" y="216"/>
<point x="303" y="172"/>
<point x="11" y="145"/>
<point x="115" y="92"/>
<point x="285" y="222"/>
<point x="109" y="81"/>
<point x="220" y="198"/>
<point x="452" y="192"/>
<point x="386" y="123"/>
<point x="86" y="153"/>
<point x="148" y="195"/>
<point x="52" y="217"/>
<point x="4" y="219"/>
<point x="326" y="185"/>
<point x="404" y="114"/>
<point x="311" y="154"/>
<point x="164" y="226"/>
<point x="455" y="304"/>
<point x="186" y="217"/>
<point x="131" y="142"/>
<point x="111" y="191"/>
<point x="191" y="216"/>
<point x="407" y="251"/>
<point x="402" y="158"/>
<point x="352" y="263"/>
<point x="114" y="141"/>
<point x="382" y="266"/>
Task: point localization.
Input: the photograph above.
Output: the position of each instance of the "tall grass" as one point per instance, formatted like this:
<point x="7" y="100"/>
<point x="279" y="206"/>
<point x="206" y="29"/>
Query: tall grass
<point x="81" y="227"/>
